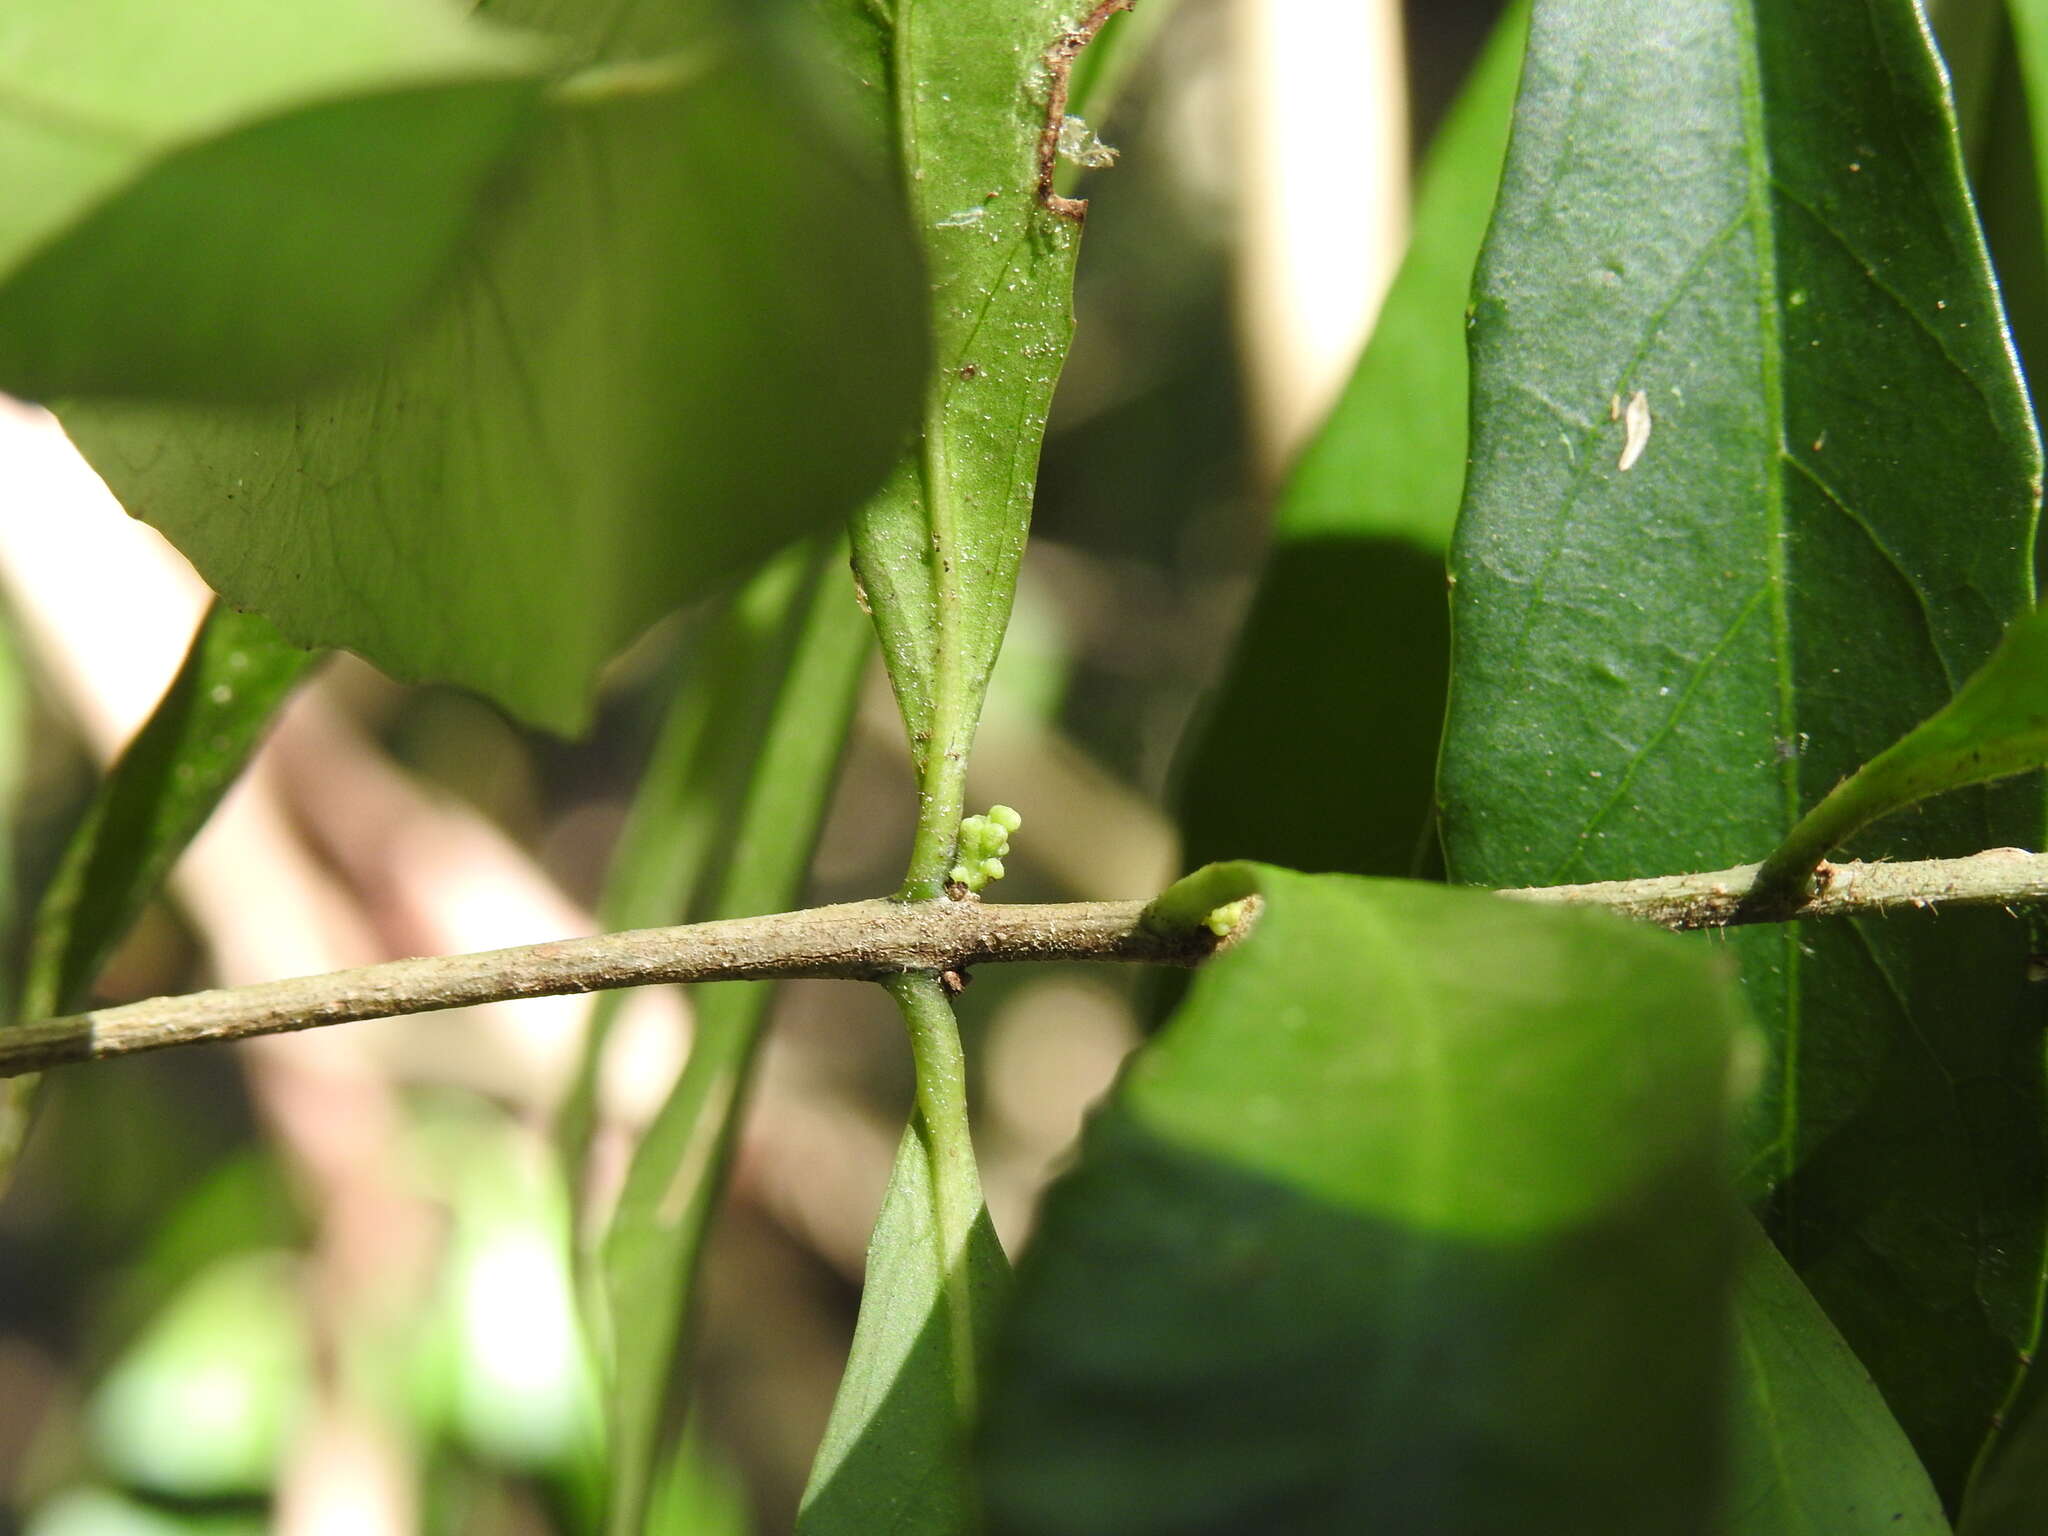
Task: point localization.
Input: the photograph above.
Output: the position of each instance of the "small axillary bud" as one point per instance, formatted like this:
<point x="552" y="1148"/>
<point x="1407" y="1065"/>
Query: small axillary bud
<point x="1223" y="920"/>
<point x="984" y="841"/>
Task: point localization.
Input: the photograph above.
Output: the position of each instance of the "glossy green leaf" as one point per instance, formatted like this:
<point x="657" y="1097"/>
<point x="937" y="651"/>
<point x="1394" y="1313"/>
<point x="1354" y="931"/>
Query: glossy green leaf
<point x="155" y="798"/>
<point x="694" y="335"/>
<point x="1355" y="577"/>
<point x="651" y="1252"/>
<point x="228" y="198"/>
<point x="937" y="549"/>
<point x="1815" y="1450"/>
<point x="1995" y="726"/>
<point x="894" y="1454"/>
<point x="894" y="1457"/>
<point x="1414" y="1218"/>
<point x="1780" y="320"/>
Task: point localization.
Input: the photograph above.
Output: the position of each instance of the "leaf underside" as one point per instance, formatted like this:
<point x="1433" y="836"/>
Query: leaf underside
<point x="180" y="177"/>
<point x="689" y="334"/>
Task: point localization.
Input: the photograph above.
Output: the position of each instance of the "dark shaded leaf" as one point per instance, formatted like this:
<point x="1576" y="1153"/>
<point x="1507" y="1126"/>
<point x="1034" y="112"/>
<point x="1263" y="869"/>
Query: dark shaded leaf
<point x="152" y="803"/>
<point x="1971" y="35"/>
<point x="2009" y="1487"/>
<point x="155" y="798"/>
<point x="1351" y="626"/>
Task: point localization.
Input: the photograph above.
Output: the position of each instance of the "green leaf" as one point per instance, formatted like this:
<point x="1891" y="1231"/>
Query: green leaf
<point x="703" y="759"/>
<point x="894" y="1457"/>
<point x="937" y="549"/>
<point x="16" y="745"/>
<point x="206" y="1402"/>
<point x="694" y="335"/>
<point x="1824" y="527"/>
<point x="155" y="798"/>
<point x="182" y="177"/>
<point x="1350" y="627"/>
<point x="1995" y="726"/>
<point x="698" y="1494"/>
<point x="16" y="1096"/>
<point x="2006" y="1487"/>
<point x="1972" y="37"/>
<point x="2008" y="177"/>
<point x="2028" y="20"/>
<point x="651" y="1252"/>
<point x="1414" y="1218"/>
<point x="152" y="803"/>
<point x="1815" y="1450"/>
<point x="973" y="91"/>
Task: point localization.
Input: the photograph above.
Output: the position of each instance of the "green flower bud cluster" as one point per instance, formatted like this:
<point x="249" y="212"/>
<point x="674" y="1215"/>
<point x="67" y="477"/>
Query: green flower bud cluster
<point x="1224" y="920"/>
<point x="983" y="842"/>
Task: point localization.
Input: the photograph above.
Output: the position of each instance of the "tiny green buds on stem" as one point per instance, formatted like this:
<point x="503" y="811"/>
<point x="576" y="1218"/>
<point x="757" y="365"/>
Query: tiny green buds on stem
<point x="984" y="840"/>
<point x="1222" y="921"/>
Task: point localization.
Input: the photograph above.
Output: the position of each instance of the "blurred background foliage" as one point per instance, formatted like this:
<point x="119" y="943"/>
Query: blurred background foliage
<point x="310" y="1289"/>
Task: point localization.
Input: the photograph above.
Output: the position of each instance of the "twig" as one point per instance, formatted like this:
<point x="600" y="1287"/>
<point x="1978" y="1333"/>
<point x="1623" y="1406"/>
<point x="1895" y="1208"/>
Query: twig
<point x="863" y="940"/>
<point x="869" y="940"/>
<point x="2000" y="877"/>
<point x="1059" y="62"/>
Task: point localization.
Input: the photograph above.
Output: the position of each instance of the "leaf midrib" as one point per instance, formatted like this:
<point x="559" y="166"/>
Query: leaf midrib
<point x="941" y="755"/>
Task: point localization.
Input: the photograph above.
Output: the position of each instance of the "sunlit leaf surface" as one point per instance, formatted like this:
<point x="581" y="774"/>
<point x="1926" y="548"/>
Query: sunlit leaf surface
<point x="1734" y="252"/>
